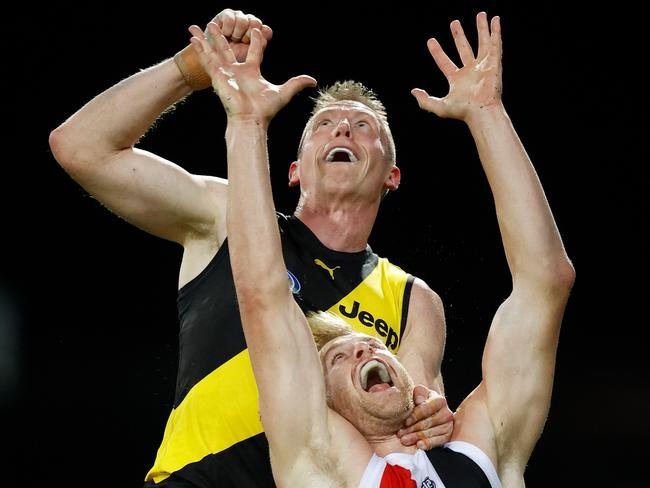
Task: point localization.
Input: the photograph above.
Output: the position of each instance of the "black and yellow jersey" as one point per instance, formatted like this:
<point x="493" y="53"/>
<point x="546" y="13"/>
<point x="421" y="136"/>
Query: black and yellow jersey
<point x="214" y="437"/>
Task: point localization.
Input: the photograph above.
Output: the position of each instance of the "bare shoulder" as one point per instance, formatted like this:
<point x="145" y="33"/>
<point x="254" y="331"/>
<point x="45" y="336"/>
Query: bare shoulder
<point x="422" y="345"/>
<point x="423" y="296"/>
<point x="426" y="309"/>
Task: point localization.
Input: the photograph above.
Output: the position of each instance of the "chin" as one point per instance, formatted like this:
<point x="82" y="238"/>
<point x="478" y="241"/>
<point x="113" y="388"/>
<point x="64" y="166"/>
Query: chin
<point x="387" y="412"/>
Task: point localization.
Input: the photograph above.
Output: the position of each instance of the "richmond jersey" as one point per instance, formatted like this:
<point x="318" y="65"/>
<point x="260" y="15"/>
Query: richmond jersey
<point x="214" y="437"/>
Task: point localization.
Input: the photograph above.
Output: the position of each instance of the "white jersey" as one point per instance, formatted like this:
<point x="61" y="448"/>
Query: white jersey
<point x="399" y="470"/>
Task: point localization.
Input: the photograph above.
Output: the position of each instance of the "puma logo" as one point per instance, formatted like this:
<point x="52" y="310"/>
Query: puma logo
<point x="325" y="267"/>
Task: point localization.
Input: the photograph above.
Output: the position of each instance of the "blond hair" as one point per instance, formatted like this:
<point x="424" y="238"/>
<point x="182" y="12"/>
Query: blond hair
<point x="325" y="326"/>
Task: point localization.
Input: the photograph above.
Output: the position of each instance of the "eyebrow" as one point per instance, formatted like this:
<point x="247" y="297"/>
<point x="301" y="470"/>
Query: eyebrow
<point x="368" y="339"/>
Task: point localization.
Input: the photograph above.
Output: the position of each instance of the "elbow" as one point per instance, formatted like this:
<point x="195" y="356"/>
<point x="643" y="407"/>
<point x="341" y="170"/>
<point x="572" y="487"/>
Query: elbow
<point x="64" y="149"/>
<point x="77" y="153"/>
<point x="560" y="277"/>
<point x="554" y="275"/>
<point x="564" y="274"/>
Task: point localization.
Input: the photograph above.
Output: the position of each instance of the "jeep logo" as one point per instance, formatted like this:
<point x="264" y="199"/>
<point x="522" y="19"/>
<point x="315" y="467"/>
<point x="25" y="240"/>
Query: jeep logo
<point x="367" y="319"/>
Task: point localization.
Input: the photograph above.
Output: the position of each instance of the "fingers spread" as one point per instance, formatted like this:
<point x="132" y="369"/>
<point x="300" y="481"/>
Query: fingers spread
<point x="197" y="38"/>
<point x="495" y="36"/>
<point x="295" y="85"/>
<point x="219" y="43"/>
<point x="443" y="62"/>
<point x="427" y="102"/>
<point x="462" y="44"/>
<point x="483" y="35"/>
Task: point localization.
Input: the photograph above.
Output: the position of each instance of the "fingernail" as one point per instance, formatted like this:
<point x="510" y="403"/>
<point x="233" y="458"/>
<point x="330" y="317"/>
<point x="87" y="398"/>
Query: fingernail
<point x="419" y="399"/>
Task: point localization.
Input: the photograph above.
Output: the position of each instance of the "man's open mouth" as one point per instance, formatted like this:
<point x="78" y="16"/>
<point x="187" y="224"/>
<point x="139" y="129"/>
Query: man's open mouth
<point x="374" y="376"/>
<point x="341" y="154"/>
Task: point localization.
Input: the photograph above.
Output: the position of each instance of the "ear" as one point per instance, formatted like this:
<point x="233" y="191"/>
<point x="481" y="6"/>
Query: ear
<point x="392" y="182"/>
<point x="294" y="174"/>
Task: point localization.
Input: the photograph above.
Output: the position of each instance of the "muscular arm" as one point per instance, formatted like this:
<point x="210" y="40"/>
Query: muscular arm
<point x="280" y="345"/>
<point x="421" y="351"/>
<point x="519" y="356"/>
<point x="96" y="147"/>
<point x="506" y="413"/>
<point x="281" y="348"/>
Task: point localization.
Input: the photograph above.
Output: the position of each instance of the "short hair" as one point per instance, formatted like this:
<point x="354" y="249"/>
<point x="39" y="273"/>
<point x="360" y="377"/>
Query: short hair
<point x="351" y="91"/>
<point x="325" y="327"/>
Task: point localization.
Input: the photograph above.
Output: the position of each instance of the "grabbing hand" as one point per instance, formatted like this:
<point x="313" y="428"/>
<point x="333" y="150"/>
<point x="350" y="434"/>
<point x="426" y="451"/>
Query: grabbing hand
<point x="478" y="83"/>
<point x="236" y="27"/>
<point x="431" y="423"/>
<point x="244" y="93"/>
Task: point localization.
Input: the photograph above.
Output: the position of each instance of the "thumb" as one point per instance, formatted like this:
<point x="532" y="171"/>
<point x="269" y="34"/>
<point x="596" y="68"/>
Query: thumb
<point x="420" y="394"/>
<point x="295" y="85"/>
<point x="427" y="102"/>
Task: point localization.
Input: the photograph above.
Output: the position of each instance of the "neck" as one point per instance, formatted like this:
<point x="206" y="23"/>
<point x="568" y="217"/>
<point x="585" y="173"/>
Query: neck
<point x="384" y="445"/>
<point x="340" y="226"/>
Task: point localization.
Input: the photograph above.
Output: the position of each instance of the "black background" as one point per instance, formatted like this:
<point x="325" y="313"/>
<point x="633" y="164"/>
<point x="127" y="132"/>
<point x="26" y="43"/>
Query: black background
<point x="88" y="302"/>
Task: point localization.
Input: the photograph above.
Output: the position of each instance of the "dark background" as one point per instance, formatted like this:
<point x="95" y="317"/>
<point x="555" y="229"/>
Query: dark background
<point x="87" y="302"/>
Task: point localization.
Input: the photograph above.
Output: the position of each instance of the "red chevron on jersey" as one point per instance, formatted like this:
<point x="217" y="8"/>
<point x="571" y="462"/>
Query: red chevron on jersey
<point x="400" y="470"/>
<point x="397" y="477"/>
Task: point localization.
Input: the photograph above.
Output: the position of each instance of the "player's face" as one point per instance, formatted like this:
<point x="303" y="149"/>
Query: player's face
<point x="345" y="153"/>
<point x="366" y="384"/>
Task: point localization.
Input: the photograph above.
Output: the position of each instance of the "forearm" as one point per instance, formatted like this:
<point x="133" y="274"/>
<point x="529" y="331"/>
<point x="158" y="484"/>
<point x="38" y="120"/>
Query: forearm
<point x="117" y="118"/>
<point x="256" y="251"/>
<point x="531" y="240"/>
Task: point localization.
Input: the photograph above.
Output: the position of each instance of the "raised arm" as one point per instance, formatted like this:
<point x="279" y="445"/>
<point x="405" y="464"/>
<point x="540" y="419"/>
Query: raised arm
<point x="506" y="414"/>
<point x="281" y="348"/>
<point x="96" y="146"/>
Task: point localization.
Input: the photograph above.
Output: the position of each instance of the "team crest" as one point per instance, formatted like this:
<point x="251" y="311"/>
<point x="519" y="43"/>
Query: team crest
<point x="294" y="284"/>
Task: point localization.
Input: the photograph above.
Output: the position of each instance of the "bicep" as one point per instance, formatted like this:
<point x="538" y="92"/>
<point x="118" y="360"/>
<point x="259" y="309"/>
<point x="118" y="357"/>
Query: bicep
<point x="518" y="367"/>
<point x="157" y="195"/>
<point x="422" y="347"/>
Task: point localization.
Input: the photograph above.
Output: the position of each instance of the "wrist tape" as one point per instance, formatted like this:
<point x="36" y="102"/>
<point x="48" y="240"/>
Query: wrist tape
<point x="190" y="67"/>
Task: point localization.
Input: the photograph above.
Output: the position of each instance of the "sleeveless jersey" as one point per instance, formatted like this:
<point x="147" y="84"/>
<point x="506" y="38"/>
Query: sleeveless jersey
<point x="456" y="465"/>
<point x="214" y="437"/>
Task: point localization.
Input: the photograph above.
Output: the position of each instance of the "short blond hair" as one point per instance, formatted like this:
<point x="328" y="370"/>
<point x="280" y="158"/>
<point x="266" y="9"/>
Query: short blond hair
<point x="325" y="326"/>
<point x="351" y="91"/>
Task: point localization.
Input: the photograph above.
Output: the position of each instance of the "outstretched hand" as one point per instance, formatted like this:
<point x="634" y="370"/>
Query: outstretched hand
<point x="477" y="84"/>
<point x="243" y="91"/>
<point x="431" y="423"/>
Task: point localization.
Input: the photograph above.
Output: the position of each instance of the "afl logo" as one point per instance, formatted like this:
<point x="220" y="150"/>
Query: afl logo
<point x="294" y="284"/>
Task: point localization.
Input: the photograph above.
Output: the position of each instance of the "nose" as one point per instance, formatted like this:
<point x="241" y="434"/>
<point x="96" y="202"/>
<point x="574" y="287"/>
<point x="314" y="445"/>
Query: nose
<point x="342" y="128"/>
<point x="361" y="348"/>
